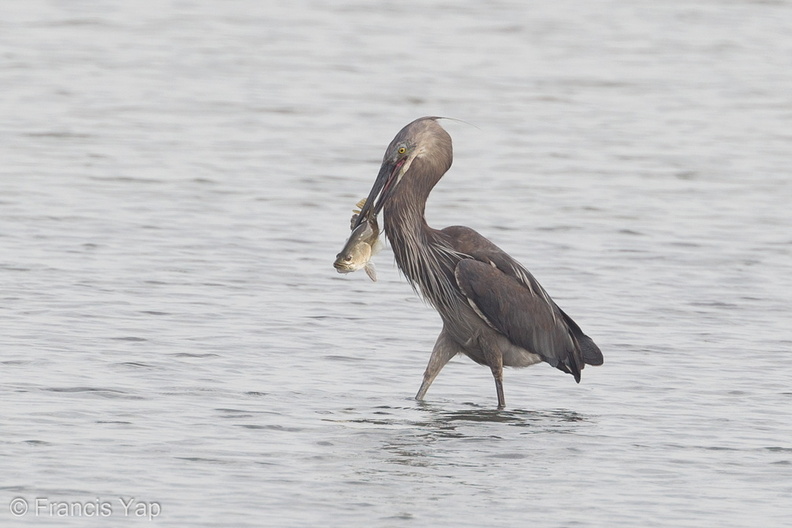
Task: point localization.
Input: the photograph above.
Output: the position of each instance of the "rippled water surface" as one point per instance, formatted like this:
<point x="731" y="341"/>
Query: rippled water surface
<point x="177" y="178"/>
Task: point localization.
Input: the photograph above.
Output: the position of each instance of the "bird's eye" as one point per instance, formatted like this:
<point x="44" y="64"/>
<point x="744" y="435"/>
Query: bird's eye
<point x="402" y="150"/>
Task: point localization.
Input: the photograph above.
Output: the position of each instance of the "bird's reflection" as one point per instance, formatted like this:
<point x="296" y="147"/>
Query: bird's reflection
<point x="437" y="435"/>
<point x="554" y="420"/>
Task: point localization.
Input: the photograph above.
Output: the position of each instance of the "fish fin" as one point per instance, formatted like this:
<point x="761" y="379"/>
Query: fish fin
<point x="371" y="272"/>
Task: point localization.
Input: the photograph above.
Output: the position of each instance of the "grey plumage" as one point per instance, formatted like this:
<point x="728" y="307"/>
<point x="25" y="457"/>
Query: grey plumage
<point x="493" y="309"/>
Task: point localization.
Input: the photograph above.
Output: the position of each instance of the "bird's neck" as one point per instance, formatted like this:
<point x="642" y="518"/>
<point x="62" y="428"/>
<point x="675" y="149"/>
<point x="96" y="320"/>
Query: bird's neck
<point x="404" y="210"/>
<point x="407" y="230"/>
<point x="421" y="253"/>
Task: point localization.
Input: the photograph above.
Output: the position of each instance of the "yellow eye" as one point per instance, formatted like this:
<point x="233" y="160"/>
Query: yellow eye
<point x="402" y="150"/>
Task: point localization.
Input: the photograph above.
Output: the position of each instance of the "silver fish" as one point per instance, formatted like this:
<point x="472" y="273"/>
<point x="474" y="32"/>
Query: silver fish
<point x="362" y="244"/>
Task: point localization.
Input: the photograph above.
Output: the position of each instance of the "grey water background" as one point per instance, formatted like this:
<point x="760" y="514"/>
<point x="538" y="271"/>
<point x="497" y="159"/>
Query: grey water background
<point x="176" y="178"/>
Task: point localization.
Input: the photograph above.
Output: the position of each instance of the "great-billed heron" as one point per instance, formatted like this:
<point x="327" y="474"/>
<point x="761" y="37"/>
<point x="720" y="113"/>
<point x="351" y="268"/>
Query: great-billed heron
<point x="493" y="310"/>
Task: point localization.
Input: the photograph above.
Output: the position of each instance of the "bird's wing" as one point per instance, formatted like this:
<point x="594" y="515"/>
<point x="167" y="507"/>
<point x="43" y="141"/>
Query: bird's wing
<point x="469" y="242"/>
<point x="513" y="302"/>
<point x="515" y="311"/>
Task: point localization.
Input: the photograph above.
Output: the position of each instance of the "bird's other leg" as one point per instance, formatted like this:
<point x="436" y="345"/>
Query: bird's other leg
<point x="495" y="361"/>
<point x="497" y="373"/>
<point x="444" y="349"/>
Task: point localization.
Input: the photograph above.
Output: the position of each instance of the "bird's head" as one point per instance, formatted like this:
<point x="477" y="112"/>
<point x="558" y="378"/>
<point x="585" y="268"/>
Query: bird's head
<point x="423" y="140"/>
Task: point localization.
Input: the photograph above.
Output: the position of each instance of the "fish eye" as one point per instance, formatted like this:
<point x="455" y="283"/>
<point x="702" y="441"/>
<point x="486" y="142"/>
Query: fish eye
<point x="402" y="150"/>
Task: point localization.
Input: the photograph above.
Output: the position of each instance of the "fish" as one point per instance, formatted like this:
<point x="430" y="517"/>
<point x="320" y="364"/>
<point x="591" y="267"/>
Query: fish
<point x="362" y="244"/>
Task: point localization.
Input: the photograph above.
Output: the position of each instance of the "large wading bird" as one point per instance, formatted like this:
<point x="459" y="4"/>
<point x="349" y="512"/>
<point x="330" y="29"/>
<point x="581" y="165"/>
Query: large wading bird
<point x="493" y="310"/>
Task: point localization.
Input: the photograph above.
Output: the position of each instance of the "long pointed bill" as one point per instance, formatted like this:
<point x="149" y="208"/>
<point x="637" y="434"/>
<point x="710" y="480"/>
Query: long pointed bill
<point x="384" y="183"/>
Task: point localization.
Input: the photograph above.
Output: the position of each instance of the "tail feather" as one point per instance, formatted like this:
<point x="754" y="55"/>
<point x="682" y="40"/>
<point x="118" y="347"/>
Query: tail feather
<point x="592" y="355"/>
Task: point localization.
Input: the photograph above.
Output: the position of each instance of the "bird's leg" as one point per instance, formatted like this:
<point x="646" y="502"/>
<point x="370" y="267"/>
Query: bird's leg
<point x="497" y="373"/>
<point x="444" y="349"/>
<point x="495" y="360"/>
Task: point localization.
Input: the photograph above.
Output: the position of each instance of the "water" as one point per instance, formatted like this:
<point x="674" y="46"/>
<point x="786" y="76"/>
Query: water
<point x="176" y="181"/>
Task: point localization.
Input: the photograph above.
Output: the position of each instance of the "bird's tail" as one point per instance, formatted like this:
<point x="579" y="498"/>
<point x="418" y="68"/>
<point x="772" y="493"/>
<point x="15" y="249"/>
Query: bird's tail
<point x="592" y="355"/>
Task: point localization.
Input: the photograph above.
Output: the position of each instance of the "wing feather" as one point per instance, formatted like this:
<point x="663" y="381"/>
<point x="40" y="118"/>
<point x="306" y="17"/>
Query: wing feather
<point x="510" y="299"/>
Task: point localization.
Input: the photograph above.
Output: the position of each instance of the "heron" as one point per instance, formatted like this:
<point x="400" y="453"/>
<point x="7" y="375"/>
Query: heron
<point x="493" y="309"/>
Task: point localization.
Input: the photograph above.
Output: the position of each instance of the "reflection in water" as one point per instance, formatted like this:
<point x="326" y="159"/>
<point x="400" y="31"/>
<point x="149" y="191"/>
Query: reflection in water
<point x="437" y="417"/>
<point x="516" y="417"/>
<point x="438" y="435"/>
<point x="437" y="438"/>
